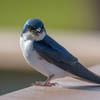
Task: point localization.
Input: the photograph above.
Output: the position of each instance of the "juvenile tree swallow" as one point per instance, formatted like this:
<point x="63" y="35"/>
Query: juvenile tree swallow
<point x="48" y="57"/>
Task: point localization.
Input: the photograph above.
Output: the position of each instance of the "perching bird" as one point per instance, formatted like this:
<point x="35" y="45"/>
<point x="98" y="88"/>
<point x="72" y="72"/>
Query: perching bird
<point x="48" y="57"/>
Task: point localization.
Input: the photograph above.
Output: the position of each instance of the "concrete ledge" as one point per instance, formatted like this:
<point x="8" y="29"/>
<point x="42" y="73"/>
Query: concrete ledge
<point x="67" y="89"/>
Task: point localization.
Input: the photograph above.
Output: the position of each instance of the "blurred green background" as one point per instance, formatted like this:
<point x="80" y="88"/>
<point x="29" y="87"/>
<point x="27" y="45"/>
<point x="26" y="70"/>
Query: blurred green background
<point x="59" y="14"/>
<point x="61" y="18"/>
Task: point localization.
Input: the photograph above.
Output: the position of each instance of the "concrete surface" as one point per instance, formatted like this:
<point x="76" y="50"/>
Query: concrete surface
<point x="67" y="89"/>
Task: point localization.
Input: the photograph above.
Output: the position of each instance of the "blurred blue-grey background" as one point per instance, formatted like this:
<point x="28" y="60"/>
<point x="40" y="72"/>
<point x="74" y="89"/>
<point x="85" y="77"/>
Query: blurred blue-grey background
<point x="73" y="23"/>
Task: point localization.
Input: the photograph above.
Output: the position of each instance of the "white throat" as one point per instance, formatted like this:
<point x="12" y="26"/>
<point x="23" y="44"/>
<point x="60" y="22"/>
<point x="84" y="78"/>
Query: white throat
<point x="30" y="36"/>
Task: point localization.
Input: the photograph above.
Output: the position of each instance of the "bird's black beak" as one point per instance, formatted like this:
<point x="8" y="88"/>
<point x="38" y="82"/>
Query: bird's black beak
<point x="37" y="31"/>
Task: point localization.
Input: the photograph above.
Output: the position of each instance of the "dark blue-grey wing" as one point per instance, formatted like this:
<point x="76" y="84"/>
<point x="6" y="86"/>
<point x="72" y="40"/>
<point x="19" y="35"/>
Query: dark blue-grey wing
<point x="54" y="53"/>
<point x="57" y="47"/>
<point x="51" y="51"/>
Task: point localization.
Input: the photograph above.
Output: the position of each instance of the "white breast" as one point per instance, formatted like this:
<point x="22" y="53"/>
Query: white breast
<point x="35" y="61"/>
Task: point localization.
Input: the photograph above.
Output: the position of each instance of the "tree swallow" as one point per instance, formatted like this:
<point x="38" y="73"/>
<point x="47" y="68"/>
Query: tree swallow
<point x="48" y="57"/>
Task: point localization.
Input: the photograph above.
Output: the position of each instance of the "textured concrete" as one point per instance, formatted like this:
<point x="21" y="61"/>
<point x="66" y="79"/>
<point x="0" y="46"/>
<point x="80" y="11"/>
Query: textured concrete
<point x="67" y="89"/>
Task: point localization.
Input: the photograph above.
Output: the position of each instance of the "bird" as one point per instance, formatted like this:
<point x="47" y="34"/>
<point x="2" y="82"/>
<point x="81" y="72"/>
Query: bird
<point x="50" y="58"/>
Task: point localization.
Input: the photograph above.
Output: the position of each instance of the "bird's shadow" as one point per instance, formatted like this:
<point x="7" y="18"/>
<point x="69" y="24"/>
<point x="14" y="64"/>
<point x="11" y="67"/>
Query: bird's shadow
<point x="11" y="81"/>
<point x="84" y="87"/>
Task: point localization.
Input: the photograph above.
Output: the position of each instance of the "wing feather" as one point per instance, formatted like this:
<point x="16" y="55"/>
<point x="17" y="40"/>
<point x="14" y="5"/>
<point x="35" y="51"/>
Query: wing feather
<point x="54" y="53"/>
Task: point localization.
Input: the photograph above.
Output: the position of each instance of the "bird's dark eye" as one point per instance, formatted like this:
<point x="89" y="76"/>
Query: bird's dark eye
<point x="29" y="27"/>
<point x="42" y="27"/>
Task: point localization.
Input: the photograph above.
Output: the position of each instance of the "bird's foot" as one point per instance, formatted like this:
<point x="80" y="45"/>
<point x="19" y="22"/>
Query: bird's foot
<point x="45" y="84"/>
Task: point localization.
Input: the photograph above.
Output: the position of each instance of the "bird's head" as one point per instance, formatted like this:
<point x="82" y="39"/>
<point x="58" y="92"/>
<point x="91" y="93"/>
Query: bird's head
<point x="34" y="29"/>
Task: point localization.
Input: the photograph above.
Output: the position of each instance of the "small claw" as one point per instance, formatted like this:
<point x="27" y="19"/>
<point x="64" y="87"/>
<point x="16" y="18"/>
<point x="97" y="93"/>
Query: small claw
<point x="49" y="84"/>
<point x="45" y="84"/>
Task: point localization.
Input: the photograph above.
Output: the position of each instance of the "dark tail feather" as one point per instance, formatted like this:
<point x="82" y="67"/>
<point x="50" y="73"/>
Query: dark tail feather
<point x="83" y="73"/>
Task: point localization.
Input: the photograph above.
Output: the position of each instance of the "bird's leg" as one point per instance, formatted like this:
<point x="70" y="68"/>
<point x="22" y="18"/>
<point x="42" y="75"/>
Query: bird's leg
<point x="47" y="82"/>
